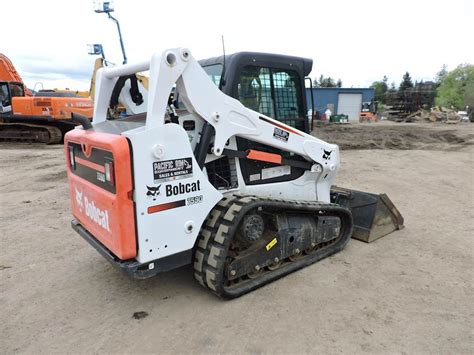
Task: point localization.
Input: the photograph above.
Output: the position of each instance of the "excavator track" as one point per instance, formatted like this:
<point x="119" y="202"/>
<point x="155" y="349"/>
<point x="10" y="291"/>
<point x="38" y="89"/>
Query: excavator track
<point x="231" y="267"/>
<point x="29" y="133"/>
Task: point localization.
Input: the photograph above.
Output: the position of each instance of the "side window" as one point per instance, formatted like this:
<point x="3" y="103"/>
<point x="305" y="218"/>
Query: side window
<point x="4" y="96"/>
<point x="274" y="93"/>
<point x="16" y="90"/>
<point x="255" y="90"/>
<point x="287" y="97"/>
<point x="214" y="72"/>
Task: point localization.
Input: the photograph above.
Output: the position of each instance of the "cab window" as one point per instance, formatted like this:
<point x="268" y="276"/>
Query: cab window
<point x="215" y="72"/>
<point x="4" y="95"/>
<point x="16" y="90"/>
<point x="273" y="92"/>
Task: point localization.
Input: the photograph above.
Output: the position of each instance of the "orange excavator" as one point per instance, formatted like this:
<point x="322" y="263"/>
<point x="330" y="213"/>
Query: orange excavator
<point x="40" y="117"/>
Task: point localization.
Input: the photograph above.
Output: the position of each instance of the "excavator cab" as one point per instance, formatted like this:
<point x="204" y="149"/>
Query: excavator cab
<point x="8" y="90"/>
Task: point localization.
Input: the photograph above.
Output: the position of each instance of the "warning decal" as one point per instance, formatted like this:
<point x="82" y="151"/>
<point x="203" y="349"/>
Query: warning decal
<point x="271" y="244"/>
<point x="281" y="134"/>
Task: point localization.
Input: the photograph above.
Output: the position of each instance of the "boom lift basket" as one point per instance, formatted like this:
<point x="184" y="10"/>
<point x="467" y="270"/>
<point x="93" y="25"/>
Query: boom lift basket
<point x="374" y="215"/>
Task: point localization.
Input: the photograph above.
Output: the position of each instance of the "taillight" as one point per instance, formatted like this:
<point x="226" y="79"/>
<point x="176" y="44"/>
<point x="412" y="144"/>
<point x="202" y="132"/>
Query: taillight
<point x="109" y="172"/>
<point x="72" y="160"/>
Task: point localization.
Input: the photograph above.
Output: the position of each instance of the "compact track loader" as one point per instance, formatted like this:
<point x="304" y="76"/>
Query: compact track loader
<point x="229" y="180"/>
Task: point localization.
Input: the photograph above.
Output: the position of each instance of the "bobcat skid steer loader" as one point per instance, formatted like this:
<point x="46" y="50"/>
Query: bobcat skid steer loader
<point x="242" y="196"/>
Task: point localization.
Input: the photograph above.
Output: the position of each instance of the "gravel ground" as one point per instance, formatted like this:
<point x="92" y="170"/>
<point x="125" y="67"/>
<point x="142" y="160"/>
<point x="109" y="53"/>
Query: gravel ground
<point x="409" y="292"/>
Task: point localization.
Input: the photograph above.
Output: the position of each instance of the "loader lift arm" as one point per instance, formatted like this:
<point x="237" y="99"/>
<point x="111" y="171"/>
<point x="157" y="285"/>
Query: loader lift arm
<point x="226" y="115"/>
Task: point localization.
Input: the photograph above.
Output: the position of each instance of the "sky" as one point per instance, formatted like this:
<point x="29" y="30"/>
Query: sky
<point x="357" y="41"/>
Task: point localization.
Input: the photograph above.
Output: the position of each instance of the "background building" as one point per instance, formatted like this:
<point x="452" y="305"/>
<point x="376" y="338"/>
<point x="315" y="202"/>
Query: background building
<point x="347" y="101"/>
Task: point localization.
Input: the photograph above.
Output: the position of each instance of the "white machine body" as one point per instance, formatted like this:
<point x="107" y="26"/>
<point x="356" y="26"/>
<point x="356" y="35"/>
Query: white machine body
<point x="172" y="194"/>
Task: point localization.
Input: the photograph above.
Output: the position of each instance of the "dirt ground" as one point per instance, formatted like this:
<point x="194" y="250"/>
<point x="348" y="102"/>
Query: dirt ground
<point x="391" y="135"/>
<point x="410" y="292"/>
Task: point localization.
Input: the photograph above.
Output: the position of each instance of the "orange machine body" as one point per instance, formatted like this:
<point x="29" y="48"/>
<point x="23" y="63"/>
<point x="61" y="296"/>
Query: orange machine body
<point x="368" y="116"/>
<point x="100" y="180"/>
<point x="55" y="107"/>
<point x="28" y="105"/>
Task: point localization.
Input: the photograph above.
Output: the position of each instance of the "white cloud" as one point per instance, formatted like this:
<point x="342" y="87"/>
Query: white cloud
<point x="357" y="41"/>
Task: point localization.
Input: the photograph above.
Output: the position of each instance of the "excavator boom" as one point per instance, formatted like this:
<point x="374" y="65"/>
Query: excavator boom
<point x="9" y="73"/>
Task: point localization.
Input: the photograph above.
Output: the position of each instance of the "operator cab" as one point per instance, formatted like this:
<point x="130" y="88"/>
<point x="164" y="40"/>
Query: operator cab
<point x="271" y="84"/>
<point x="369" y="106"/>
<point x="9" y="89"/>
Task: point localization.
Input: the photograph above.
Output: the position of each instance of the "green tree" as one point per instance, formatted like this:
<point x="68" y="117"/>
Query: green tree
<point x="323" y="82"/>
<point x="339" y="83"/>
<point x="316" y="83"/>
<point x="406" y="83"/>
<point x="380" y="88"/>
<point x="328" y="83"/>
<point x="455" y="88"/>
<point x="441" y="74"/>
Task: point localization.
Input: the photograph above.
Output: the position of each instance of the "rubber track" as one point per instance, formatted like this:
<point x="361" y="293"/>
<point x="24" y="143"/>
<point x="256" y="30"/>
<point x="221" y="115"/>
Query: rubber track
<point x="55" y="134"/>
<point x="210" y="252"/>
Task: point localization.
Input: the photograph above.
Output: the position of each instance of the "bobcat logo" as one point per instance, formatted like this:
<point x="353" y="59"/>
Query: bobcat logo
<point x="153" y="190"/>
<point x="327" y="154"/>
<point x="79" y="199"/>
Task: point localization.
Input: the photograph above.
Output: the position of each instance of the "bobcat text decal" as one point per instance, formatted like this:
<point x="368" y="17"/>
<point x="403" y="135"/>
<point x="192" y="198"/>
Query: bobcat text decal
<point x="94" y="213"/>
<point x="183" y="188"/>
